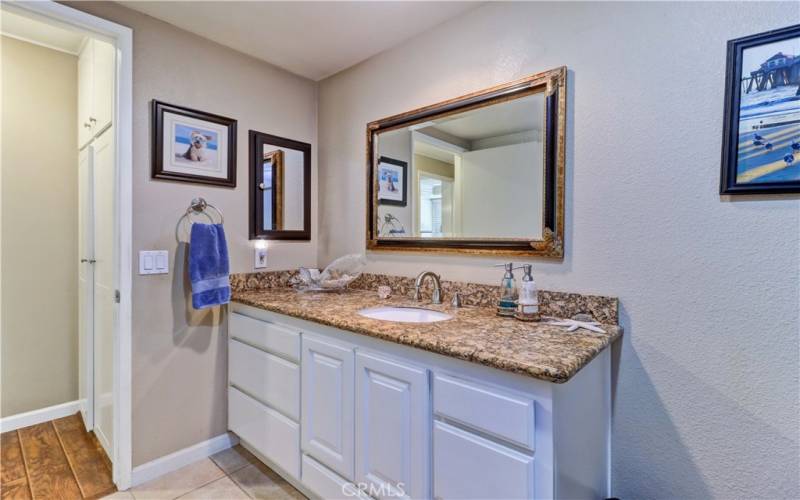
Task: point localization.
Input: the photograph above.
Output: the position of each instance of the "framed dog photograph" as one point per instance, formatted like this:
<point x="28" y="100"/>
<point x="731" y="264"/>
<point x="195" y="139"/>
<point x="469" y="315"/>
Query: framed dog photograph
<point x="392" y="182"/>
<point x="761" y="141"/>
<point x="193" y="146"/>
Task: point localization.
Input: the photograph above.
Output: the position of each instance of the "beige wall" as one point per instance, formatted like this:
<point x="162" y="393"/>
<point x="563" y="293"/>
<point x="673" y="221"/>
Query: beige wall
<point x="433" y="166"/>
<point x="39" y="227"/>
<point x="180" y="358"/>
<point x="706" y="397"/>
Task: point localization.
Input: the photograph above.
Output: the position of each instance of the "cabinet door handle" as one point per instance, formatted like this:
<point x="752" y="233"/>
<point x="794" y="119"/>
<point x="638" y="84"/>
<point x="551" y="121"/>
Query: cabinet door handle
<point x="89" y="261"/>
<point x="93" y="120"/>
<point x="87" y="125"/>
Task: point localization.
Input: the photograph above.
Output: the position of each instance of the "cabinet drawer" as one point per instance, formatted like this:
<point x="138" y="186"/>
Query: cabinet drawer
<point x="270" y="433"/>
<point x="271" y="379"/>
<point x="268" y="336"/>
<point x="507" y="415"/>
<point x="326" y="483"/>
<point x="467" y="466"/>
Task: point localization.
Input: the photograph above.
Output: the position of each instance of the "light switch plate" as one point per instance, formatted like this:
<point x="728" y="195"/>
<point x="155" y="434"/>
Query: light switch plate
<point x="153" y="262"/>
<point x="260" y="258"/>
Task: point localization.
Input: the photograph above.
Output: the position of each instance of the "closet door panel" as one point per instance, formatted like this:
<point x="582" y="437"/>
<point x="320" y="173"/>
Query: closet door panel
<point x="104" y="300"/>
<point x="103" y="85"/>
<point x="85" y="93"/>
<point x="85" y="288"/>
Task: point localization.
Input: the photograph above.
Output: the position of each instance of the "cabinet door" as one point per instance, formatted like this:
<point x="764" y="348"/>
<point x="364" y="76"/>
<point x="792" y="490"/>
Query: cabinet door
<point x="104" y="73"/>
<point x="327" y="413"/>
<point x="392" y="421"/>
<point x="85" y="92"/>
<point x="468" y="466"/>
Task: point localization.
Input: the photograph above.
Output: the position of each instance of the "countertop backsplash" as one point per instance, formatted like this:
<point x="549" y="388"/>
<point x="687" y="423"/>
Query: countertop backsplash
<point x="557" y="304"/>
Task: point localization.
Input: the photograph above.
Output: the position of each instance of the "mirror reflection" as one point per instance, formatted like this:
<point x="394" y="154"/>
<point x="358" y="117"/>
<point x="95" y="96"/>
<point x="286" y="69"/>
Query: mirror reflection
<point x="282" y="189"/>
<point x="472" y="174"/>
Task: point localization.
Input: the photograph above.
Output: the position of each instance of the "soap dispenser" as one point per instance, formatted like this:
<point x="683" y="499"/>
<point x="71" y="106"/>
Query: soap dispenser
<point x="528" y="302"/>
<point x="507" y="305"/>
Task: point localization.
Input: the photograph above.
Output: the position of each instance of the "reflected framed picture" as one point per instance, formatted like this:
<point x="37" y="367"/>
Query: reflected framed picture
<point x="392" y="182"/>
<point x="761" y="141"/>
<point x="192" y="146"/>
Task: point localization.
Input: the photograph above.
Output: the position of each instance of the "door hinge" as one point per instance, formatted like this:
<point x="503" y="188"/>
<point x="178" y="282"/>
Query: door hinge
<point x="116" y="296"/>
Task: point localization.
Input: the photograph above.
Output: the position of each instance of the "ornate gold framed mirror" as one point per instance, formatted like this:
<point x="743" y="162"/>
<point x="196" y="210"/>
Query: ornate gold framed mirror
<point x="481" y="174"/>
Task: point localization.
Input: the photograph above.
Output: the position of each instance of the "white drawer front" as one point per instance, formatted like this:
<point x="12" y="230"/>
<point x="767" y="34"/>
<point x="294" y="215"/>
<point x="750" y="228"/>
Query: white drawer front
<point x="326" y="483"/>
<point x="268" y="378"/>
<point x="467" y="466"/>
<point x="270" y="433"/>
<point x="506" y="415"/>
<point x="271" y="337"/>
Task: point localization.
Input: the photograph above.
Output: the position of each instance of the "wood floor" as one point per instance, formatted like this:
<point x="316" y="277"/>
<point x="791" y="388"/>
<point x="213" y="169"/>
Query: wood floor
<point x="53" y="460"/>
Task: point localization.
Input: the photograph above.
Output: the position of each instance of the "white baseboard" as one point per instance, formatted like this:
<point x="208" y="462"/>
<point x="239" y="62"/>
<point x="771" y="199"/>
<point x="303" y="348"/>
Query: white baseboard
<point x="34" y="417"/>
<point x="182" y="458"/>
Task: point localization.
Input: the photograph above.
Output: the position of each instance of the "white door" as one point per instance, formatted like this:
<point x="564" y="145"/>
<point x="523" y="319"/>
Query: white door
<point x="85" y="287"/>
<point x="392" y="420"/>
<point x="104" y="291"/>
<point x="327" y="410"/>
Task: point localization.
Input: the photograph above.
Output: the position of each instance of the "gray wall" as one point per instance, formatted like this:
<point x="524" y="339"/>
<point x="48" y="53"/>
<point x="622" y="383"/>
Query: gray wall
<point x="179" y="357"/>
<point x="706" y="396"/>
<point x="40" y="227"/>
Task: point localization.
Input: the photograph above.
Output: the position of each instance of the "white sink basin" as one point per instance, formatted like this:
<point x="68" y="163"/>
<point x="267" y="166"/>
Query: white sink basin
<point x="404" y="314"/>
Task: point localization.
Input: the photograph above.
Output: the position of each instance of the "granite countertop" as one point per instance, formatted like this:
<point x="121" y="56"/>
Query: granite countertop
<point x="474" y="333"/>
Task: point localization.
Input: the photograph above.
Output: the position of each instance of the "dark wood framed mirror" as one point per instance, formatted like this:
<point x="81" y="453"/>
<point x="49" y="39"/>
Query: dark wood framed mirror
<point x="485" y="172"/>
<point x="280" y="188"/>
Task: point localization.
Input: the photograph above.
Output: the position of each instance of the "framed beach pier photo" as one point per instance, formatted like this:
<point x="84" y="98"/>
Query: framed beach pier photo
<point x="761" y="142"/>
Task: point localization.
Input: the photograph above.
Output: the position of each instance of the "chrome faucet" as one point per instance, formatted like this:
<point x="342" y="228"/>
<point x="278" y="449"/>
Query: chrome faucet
<point x="436" y="298"/>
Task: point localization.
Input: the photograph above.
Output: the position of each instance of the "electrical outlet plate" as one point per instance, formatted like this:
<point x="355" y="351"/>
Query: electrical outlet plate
<point x="260" y="255"/>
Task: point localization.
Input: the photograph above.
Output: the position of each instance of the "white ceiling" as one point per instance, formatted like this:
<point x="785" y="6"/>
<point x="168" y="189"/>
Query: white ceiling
<point x="41" y="33"/>
<point x="510" y="117"/>
<point x="311" y="39"/>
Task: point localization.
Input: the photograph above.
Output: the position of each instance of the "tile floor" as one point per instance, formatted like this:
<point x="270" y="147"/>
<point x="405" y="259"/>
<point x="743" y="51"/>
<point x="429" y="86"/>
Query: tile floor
<point x="229" y="475"/>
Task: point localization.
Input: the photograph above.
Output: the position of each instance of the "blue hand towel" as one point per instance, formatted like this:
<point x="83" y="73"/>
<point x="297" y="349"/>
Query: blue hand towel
<point x="208" y="266"/>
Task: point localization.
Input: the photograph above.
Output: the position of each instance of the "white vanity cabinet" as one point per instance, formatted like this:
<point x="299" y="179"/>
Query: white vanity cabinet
<point x="342" y="415"/>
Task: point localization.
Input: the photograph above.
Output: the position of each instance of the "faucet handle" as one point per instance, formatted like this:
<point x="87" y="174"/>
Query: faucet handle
<point x="417" y="294"/>
<point x="456" y="301"/>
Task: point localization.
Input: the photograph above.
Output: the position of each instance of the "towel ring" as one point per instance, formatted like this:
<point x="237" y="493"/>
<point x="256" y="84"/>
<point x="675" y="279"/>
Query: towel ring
<point x="198" y="206"/>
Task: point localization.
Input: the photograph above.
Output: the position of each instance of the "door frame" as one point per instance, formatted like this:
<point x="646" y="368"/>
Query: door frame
<point x="122" y="37"/>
